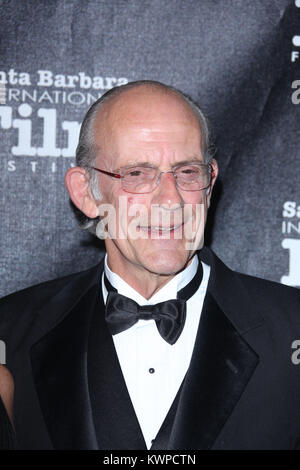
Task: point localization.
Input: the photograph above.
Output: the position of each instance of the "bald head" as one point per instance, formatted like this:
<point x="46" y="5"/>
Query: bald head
<point x="86" y="149"/>
<point x="147" y="107"/>
<point x="143" y="99"/>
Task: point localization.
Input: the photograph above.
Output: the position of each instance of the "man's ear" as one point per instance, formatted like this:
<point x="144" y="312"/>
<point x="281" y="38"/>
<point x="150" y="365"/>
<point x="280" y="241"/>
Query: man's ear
<point x="214" y="175"/>
<point x="78" y="185"/>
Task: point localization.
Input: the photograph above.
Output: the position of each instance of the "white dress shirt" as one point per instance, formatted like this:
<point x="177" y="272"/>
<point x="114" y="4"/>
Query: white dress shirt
<point x="153" y="369"/>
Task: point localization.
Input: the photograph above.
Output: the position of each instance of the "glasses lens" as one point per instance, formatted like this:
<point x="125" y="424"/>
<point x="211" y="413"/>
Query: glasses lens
<point x="139" y="179"/>
<point x="193" y="177"/>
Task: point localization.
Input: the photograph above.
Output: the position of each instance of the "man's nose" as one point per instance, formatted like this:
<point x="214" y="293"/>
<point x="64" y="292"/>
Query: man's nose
<point x="167" y="191"/>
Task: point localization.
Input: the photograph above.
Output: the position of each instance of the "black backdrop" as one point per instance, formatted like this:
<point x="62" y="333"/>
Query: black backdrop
<point x="239" y="59"/>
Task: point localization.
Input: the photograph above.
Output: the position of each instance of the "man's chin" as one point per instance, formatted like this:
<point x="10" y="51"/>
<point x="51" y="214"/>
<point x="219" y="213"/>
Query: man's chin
<point x="165" y="262"/>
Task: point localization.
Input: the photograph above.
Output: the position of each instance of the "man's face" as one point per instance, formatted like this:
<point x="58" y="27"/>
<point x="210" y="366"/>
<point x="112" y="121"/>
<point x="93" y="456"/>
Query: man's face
<point x="144" y="126"/>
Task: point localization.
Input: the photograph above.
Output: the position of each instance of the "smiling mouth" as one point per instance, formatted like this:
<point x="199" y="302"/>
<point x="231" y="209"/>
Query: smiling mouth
<point x="160" y="229"/>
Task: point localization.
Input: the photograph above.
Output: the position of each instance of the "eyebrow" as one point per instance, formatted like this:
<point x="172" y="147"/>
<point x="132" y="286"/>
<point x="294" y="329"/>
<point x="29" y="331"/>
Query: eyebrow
<point x="186" y="162"/>
<point x="173" y="165"/>
<point x="146" y="164"/>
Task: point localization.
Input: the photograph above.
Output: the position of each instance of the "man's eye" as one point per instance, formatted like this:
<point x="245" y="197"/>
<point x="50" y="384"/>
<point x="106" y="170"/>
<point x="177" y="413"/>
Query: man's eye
<point x="189" y="171"/>
<point x="135" y="173"/>
<point x="139" y="172"/>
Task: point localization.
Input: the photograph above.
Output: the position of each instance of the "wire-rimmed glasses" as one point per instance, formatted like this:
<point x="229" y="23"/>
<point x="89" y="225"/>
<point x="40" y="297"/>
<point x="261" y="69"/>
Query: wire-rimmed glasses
<point x="141" y="179"/>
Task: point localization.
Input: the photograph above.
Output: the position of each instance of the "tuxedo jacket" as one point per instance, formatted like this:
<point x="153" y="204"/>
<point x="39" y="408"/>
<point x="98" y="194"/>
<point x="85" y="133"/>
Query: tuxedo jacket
<point x="241" y="390"/>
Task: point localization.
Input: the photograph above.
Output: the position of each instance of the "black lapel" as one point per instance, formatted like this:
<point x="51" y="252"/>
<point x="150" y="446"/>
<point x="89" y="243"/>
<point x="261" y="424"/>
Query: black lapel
<point x="116" y="423"/>
<point x="59" y="364"/>
<point x="228" y="289"/>
<point x="221" y="365"/>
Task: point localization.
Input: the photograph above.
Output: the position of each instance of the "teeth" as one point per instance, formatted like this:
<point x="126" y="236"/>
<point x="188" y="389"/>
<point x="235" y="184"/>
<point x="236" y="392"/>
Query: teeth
<point x="163" y="229"/>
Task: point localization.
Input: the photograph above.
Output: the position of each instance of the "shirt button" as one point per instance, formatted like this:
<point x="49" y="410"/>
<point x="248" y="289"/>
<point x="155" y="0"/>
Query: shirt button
<point x="151" y="370"/>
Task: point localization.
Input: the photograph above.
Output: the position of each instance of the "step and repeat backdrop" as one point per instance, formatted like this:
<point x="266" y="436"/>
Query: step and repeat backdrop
<point x="239" y="59"/>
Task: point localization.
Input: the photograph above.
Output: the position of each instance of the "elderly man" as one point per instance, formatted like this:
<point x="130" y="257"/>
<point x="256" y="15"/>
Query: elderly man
<point x="160" y="346"/>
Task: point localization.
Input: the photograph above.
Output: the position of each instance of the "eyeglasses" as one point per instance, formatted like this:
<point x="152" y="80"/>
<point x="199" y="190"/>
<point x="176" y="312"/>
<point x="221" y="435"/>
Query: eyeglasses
<point x="144" y="179"/>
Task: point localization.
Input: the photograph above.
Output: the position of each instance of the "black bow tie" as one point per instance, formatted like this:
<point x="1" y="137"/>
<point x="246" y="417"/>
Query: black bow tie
<point x="121" y="312"/>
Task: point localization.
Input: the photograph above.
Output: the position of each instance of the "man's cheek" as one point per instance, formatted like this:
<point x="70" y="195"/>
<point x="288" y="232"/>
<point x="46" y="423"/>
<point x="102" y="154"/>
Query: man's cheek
<point x="195" y="215"/>
<point x="137" y="199"/>
<point x="137" y="217"/>
<point x="130" y="214"/>
<point x="130" y="200"/>
<point x="196" y="197"/>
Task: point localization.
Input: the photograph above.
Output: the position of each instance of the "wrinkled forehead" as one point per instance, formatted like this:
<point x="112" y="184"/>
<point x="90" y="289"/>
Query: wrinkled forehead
<point x="143" y="110"/>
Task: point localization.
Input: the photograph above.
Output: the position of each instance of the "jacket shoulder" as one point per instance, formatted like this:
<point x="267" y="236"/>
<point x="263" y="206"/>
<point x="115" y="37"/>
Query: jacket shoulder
<point x="31" y="299"/>
<point x="252" y="299"/>
<point x="275" y="301"/>
<point x="270" y="286"/>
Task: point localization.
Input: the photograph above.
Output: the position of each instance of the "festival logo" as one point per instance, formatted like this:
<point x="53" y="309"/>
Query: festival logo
<point x="38" y="109"/>
<point x="2" y="352"/>
<point x="291" y="242"/>
<point x="295" y="40"/>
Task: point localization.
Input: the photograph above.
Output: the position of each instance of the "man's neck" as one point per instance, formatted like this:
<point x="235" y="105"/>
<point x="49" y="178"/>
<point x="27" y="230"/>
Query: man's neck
<point x="146" y="283"/>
